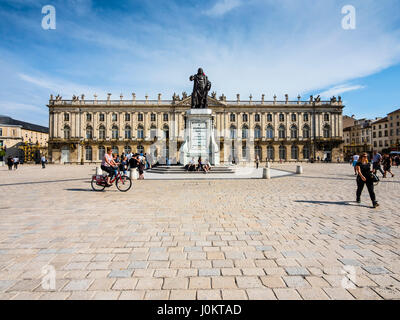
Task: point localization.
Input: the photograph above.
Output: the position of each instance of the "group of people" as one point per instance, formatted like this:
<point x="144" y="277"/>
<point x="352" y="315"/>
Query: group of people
<point x="111" y="163"/>
<point x="204" y="166"/>
<point x="367" y="175"/>
<point x="13" y="162"/>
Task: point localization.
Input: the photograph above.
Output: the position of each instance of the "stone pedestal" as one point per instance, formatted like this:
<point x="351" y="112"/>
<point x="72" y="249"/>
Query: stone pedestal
<point x="199" y="138"/>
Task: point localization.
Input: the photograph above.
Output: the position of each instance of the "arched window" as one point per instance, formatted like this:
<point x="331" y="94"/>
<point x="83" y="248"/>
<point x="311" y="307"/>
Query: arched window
<point x="115" y="132"/>
<point x="140" y="132"/>
<point x="306" y="152"/>
<point x="270" y="132"/>
<point x="293" y="132"/>
<point x="127" y="149"/>
<point x="232" y="117"/>
<point x="89" y="133"/>
<point x="245" y="117"/>
<point x="67" y="132"/>
<point x="102" y="152"/>
<point x="244" y="151"/>
<point x="282" y="133"/>
<point x="326" y="117"/>
<point x="245" y="132"/>
<point x="115" y="150"/>
<point x="140" y="149"/>
<point x="269" y="117"/>
<point x="294" y="117"/>
<point x="282" y="153"/>
<point x="233" y="132"/>
<point x="89" y="155"/>
<point x="306" y="132"/>
<point x="166" y="132"/>
<point x="102" y="133"/>
<point x="128" y="132"/>
<point x="281" y="117"/>
<point x="270" y="153"/>
<point x="257" y="132"/>
<point x="327" y="131"/>
<point x="257" y="117"/>
<point x="258" y="152"/>
<point x="295" y="152"/>
<point x="153" y="132"/>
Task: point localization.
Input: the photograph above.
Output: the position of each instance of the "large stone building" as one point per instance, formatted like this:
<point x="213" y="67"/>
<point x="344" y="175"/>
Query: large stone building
<point x="394" y="129"/>
<point x="357" y="137"/>
<point x="81" y="130"/>
<point x="25" y="140"/>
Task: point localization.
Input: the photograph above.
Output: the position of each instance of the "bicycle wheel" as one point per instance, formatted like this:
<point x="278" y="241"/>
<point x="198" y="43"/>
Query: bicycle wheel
<point x="96" y="186"/>
<point x="124" y="184"/>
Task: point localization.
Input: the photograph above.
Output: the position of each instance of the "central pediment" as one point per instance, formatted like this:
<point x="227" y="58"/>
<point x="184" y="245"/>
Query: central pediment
<point x="212" y="102"/>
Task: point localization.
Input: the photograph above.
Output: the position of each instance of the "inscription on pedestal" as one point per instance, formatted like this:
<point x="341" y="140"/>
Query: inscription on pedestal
<point x="199" y="136"/>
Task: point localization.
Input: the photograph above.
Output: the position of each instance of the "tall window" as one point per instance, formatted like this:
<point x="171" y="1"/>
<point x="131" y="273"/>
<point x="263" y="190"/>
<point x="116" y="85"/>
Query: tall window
<point x="306" y="152"/>
<point x="88" y="117"/>
<point x="153" y="117"/>
<point x="257" y="117"/>
<point x="89" y="133"/>
<point x="294" y="117"/>
<point x="101" y="117"/>
<point x="244" y="150"/>
<point x="269" y="117"/>
<point x="114" y="117"/>
<point x="295" y="152"/>
<point x="233" y="132"/>
<point x="128" y="132"/>
<point x="102" y="152"/>
<point x="327" y="131"/>
<point x="282" y="152"/>
<point x="140" y="117"/>
<point x="1" y="132"/>
<point x="115" y="132"/>
<point x="89" y="155"/>
<point x="165" y="116"/>
<point x="102" y="133"/>
<point x="270" y="132"/>
<point x="245" y="132"/>
<point x="153" y="132"/>
<point x="305" y="117"/>
<point x="293" y="132"/>
<point x="258" y="152"/>
<point x="232" y="117"/>
<point x="127" y="149"/>
<point x="140" y="132"/>
<point x="140" y="149"/>
<point x="281" y="130"/>
<point x="326" y="117"/>
<point x="115" y="150"/>
<point x="257" y="132"/>
<point x="245" y="118"/>
<point x="166" y="132"/>
<point x="127" y="117"/>
<point x="281" y="117"/>
<point x="67" y="132"/>
<point x="306" y="132"/>
<point x="270" y="153"/>
<point x="66" y="116"/>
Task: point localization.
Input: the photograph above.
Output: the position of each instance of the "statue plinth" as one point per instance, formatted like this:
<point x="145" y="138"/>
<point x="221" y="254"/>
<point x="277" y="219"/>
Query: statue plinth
<point x="199" y="138"/>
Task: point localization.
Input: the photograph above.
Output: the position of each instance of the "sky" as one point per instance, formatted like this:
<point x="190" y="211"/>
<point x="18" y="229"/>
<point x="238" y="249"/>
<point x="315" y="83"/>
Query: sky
<point x="244" y="46"/>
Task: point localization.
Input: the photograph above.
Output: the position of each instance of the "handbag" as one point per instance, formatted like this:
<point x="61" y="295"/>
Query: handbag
<point x="374" y="177"/>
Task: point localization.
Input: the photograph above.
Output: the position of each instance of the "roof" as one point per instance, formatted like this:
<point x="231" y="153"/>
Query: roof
<point x="25" y="125"/>
<point x="398" y="110"/>
<point x="385" y="119"/>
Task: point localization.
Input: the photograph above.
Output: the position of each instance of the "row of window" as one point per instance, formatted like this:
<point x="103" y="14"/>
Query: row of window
<point x="102" y="151"/>
<point x="257" y="117"/>
<point x="114" y="117"/>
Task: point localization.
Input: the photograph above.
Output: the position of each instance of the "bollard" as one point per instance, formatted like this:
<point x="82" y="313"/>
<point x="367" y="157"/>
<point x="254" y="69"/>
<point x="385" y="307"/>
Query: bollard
<point x="299" y="170"/>
<point x="266" y="173"/>
<point x="133" y="174"/>
<point x="99" y="172"/>
<point x="268" y="164"/>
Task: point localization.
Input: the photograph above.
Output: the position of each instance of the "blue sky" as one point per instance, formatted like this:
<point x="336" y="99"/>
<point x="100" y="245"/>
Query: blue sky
<point x="245" y="46"/>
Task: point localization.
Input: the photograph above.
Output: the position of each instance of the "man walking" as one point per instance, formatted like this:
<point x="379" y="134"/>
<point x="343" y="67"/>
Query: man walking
<point x="376" y="163"/>
<point x="16" y="162"/>
<point x="43" y="160"/>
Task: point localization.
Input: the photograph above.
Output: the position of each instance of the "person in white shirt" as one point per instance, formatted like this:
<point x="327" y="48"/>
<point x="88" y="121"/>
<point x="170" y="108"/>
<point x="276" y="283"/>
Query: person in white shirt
<point x="355" y="160"/>
<point x="43" y="160"/>
<point x="16" y="162"/>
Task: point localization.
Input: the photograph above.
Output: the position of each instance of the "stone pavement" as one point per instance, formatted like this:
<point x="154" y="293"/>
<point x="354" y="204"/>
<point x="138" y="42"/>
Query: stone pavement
<point x="293" y="237"/>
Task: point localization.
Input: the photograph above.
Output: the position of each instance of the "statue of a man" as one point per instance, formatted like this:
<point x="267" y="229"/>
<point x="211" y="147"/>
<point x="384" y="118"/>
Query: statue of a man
<point x="200" y="90"/>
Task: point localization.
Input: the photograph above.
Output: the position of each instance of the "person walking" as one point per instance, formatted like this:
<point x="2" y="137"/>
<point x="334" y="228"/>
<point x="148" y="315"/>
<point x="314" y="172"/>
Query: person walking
<point x="10" y="163"/>
<point x="257" y="161"/>
<point x="364" y="177"/>
<point x="142" y="164"/>
<point x="387" y="165"/>
<point x="16" y="162"/>
<point x="43" y="160"/>
<point x="356" y="157"/>
<point x="376" y="163"/>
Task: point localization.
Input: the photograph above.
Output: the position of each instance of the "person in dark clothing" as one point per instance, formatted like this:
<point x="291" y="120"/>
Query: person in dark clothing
<point x="387" y="165"/>
<point x="364" y="177"/>
<point x="10" y="163"/>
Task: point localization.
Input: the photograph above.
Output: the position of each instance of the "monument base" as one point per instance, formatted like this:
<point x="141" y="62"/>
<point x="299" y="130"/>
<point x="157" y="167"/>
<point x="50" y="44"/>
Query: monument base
<point x="199" y="138"/>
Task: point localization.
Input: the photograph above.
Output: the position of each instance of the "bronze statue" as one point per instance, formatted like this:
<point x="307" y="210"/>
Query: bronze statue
<point x="200" y="90"/>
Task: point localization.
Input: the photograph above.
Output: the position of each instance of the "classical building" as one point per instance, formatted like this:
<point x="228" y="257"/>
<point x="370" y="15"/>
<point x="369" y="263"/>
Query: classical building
<point x="380" y="134"/>
<point x="25" y="140"/>
<point x="81" y="130"/>
<point x="357" y="137"/>
<point x="394" y="130"/>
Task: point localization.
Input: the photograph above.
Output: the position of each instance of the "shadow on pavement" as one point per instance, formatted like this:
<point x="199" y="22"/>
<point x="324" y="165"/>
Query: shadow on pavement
<point x="339" y="203"/>
<point x="42" y="182"/>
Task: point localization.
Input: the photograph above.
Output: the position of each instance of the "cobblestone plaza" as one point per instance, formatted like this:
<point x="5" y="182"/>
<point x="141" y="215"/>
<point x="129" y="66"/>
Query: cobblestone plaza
<point x="291" y="237"/>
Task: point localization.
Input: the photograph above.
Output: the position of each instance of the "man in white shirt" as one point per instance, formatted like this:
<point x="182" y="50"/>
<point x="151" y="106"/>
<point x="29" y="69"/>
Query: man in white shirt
<point x="355" y="160"/>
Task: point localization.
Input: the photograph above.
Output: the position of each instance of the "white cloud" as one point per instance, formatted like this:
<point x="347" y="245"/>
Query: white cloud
<point x="340" y="89"/>
<point x="222" y="7"/>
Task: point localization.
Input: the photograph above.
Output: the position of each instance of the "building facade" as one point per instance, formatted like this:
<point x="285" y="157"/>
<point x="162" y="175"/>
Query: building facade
<point x="81" y="130"/>
<point x="357" y="138"/>
<point x="380" y="134"/>
<point x="394" y="130"/>
<point x="25" y="140"/>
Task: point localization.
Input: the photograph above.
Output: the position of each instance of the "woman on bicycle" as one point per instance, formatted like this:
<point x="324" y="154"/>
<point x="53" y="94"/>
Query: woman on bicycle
<point x="108" y="165"/>
<point x="364" y="177"/>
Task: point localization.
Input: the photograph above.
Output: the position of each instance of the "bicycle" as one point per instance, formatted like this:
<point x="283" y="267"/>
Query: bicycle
<point x="123" y="183"/>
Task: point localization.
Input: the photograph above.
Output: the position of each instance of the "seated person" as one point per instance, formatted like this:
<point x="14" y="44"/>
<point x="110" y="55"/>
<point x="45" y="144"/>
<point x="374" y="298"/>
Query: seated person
<point x="108" y="165"/>
<point x="191" y="165"/>
<point x="200" y="165"/>
<point x="207" y="165"/>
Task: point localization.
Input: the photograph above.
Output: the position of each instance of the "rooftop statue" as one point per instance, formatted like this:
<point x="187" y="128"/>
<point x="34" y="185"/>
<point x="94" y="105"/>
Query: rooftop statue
<point x="201" y="87"/>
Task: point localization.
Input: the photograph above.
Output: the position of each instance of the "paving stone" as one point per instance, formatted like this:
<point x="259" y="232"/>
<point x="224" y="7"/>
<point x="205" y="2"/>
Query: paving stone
<point x="149" y="284"/>
<point x="286" y="294"/>
<point x="248" y="282"/>
<point x="78" y="285"/>
<point x="261" y="294"/>
<point x="157" y="295"/>
<point x="228" y="294"/>
<point x="297" y="271"/>
<point x="338" y="294"/>
<point x="102" y="284"/>
<point x="209" y="272"/>
<point x="223" y="283"/>
<point x="375" y="270"/>
<point x="106" y="295"/>
<point x="125" y="284"/>
<point x="183" y="295"/>
<point x="120" y="274"/>
<point x="200" y="283"/>
<point x="209" y="295"/>
<point x="175" y="283"/>
<point x="132" y="295"/>
<point x="312" y="294"/>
